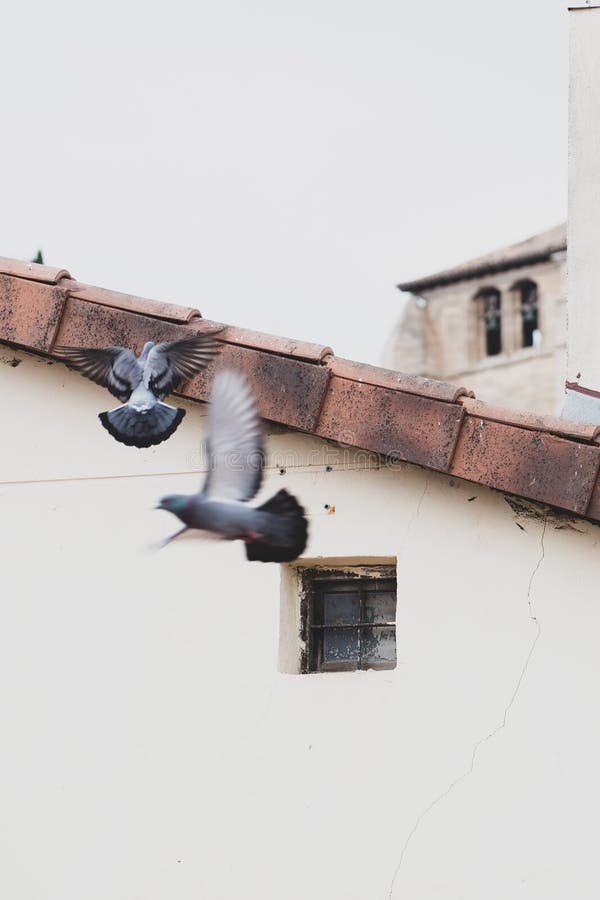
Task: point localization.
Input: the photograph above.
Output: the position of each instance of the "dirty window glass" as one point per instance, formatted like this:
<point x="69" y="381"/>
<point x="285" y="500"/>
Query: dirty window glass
<point x="351" y="624"/>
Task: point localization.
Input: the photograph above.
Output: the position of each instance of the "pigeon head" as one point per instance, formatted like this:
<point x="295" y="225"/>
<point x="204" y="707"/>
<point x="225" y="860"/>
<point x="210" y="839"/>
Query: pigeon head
<point x="174" y="503"/>
<point x="147" y="348"/>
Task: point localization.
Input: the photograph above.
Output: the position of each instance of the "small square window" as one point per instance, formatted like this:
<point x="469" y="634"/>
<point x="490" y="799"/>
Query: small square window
<point x="349" y="620"/>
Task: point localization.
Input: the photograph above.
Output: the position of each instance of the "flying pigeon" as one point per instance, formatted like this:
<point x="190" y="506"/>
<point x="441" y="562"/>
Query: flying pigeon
<point x="273" y="532"/>
<point x="141" y="382"/>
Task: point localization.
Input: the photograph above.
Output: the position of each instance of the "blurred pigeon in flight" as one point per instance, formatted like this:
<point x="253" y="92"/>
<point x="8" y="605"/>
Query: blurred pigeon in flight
<point x="141" y="382"/>
<point x="273" y="532"/>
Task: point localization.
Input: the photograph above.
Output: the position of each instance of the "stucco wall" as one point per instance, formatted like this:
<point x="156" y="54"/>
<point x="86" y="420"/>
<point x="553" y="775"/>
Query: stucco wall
<point x="152" y="749"/>
<point x="584" y="197"/>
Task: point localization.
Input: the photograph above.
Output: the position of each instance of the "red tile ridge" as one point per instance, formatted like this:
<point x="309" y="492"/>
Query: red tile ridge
<point x="271" y="343"/>
<point x="399" y="381"/>
<point x="20" y="268"/>
<point x="157" y="309"/>
<point x="578" y="431"/>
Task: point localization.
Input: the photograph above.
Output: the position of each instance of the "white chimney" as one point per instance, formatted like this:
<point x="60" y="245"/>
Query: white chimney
<point x="583" y="260"/>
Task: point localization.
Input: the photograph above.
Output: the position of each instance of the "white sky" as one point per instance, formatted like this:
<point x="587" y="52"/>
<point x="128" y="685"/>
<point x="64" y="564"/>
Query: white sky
<point x="280" y="165"/>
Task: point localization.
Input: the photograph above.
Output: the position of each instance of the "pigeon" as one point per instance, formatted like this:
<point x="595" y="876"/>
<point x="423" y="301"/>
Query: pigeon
<point x="141" y="382"/>
<point x="273" y="532"/>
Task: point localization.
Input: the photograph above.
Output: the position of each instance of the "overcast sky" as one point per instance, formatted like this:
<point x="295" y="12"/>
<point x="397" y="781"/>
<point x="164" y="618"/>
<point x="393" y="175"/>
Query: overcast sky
<point x="280" y="165"/>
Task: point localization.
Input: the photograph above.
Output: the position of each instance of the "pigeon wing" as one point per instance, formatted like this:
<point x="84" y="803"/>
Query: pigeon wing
<point x="173" y="362"/>
<point x="234" y="442"/>
<point x="115" y="368"/>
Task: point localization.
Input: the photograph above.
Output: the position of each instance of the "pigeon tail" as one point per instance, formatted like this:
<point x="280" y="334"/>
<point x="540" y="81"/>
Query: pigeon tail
<point x="291" y="526"/>
<point x="142" y="429"/>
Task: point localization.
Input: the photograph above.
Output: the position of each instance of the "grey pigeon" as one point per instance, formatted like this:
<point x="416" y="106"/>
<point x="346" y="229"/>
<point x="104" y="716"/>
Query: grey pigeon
<point x="273" y="532"/>
<point x="141" y="382"/>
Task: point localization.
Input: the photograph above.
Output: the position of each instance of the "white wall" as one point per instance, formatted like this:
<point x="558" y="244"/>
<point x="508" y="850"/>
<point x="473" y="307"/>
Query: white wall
<point x="151" y="748"/>
<point x="583" y="359"/>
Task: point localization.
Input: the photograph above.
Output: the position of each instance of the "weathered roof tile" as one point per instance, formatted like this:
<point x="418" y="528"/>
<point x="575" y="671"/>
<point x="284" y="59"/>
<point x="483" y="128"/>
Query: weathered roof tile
<point x="532" y="464"/>
<point x="271" y="343"/>
<point x="287" y="390"/>
<point x="397" y="381"/>
<point x="129" y="302"/>
<point x="593" y="510"/>
<point x="552" y="424"/>
<point x="86" y="324"/>
<point x="32" y="271"/>
<point x="400" y="425"/>
<point x="30" y="312"/>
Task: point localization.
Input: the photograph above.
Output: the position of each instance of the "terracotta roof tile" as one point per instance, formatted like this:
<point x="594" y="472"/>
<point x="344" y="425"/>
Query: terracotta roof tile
<point x="158" y="310"/>
<point x="32" y="271"/>
<point x="30" y="312"/>
<point x="552" y="424"/>
<point x="287" y="390"/>
<point x="397" y="381"/>
<point x="532" y="464"/>
<point x="86" y="324"/>
<point x="535" y="249"/>
<point x="593" y="510"/>
<point x="404" y="426"/>
<point x="304" y="386"/>
<point x="245" y="337"/>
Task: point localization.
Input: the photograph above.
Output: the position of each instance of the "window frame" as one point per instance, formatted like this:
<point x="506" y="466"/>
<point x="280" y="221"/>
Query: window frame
<point x="313" y="582"/>
<point x="482" y="298"/>
<point x="520" y="287"/>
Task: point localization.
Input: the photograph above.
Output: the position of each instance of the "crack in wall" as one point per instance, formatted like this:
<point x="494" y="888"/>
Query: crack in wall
<point x="419" y="505"/>
<point x="416" y="513"/>
<point x="484" y="740"/>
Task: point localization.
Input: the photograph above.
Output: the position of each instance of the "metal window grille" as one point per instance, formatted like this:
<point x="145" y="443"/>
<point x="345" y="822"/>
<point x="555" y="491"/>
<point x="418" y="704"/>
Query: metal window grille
<point x="349" y="623"/>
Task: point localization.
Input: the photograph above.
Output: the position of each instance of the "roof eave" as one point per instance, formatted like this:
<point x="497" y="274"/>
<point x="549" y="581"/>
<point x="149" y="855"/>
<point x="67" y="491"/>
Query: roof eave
<point x="443" y="279"/>
<point x="306" y="388"/>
